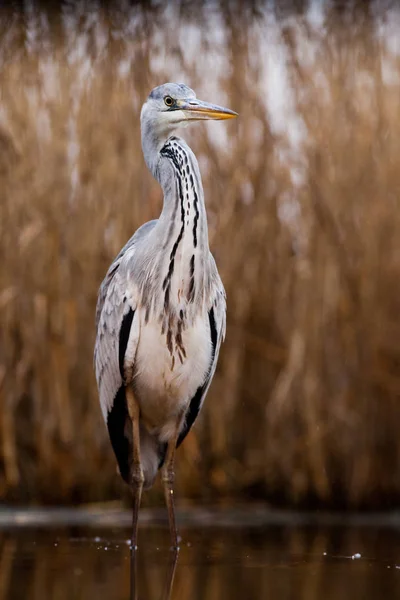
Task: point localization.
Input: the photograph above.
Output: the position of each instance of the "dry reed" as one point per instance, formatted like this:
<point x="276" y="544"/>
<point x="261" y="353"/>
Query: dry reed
<point x="304" y="407"/>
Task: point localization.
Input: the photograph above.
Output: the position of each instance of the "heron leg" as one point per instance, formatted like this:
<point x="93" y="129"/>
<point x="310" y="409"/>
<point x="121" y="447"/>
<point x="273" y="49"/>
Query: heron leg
<point x="137" y="477"/>
<point x="168" y="477"/>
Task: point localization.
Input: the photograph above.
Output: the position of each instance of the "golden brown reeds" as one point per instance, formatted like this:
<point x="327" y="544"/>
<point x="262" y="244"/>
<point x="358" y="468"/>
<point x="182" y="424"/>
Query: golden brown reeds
<point x="305" y="404"/>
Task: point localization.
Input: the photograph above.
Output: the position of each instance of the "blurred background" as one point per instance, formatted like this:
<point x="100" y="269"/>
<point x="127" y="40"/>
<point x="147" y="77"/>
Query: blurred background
<point x="302" y="193"/>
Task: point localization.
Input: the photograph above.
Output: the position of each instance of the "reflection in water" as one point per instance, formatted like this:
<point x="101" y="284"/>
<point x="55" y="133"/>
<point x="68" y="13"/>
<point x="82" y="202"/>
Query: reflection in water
<point x="169" y="581"/>
<point x="278" y="562"/>
<point x="166" y="592"/>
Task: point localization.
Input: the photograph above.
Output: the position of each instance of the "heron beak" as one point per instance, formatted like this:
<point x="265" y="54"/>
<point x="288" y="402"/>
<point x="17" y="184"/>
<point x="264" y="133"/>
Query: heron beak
<point x="196" y="110"/>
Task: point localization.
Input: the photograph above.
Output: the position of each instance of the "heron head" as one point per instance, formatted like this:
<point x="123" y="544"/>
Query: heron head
<point x="173" y="105"/>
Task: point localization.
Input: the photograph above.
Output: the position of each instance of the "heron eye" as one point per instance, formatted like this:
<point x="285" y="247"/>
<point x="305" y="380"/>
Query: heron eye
<point x="168" y="101"/>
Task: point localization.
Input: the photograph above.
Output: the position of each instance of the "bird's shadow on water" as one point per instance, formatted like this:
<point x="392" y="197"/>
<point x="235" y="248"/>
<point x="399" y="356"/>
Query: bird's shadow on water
<point x="166" y="591"/>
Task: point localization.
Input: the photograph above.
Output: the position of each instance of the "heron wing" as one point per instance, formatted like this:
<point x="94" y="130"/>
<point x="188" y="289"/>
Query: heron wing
<point x="115" y="311"/>
<point x="217" y="321"/>
<point x="116" y="343"/>
<point x="116" y="306"/>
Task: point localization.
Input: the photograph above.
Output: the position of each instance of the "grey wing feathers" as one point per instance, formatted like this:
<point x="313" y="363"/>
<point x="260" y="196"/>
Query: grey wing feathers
<point x="106" y="353"/>
<point x="116" y="263"/>
<point x="117" y="297"/>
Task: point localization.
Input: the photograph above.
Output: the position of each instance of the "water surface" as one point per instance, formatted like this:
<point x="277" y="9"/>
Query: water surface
<point x="303" y="560"/>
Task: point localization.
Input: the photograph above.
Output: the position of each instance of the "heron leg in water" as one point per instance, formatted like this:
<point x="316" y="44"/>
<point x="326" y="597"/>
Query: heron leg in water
<point x="168" y="477"/>
<point x="137" y="476"/>
<point x="169" y="580"/>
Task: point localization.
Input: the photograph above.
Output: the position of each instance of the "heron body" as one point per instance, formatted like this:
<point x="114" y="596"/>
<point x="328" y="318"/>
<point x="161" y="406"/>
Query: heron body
<point x="161" y="309"/>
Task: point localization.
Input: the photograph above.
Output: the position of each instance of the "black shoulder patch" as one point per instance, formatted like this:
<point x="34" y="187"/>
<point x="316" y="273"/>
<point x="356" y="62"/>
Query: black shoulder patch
<point x="214" y="333"/>
<point x="191" y="415"/>
<point x="116" y="426"/>
<point x="195" y="403"/>
<point x="124" y="338"/>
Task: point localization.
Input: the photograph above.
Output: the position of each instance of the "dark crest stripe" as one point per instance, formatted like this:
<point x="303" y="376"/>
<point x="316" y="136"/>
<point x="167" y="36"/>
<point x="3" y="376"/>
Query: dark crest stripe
<point x="196" y="217"/>
<point x="191" y="284"/>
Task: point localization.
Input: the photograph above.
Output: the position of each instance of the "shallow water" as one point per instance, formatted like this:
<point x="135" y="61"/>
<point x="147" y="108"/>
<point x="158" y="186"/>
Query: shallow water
<point x="279" y="561"/>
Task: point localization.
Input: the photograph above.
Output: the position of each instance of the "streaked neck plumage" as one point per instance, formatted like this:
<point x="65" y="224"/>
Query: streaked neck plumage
<point x="182" y="227"/>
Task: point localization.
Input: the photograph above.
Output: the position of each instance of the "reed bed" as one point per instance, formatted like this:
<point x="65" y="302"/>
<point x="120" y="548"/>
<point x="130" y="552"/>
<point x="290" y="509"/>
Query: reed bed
<point x="303" y="202"/>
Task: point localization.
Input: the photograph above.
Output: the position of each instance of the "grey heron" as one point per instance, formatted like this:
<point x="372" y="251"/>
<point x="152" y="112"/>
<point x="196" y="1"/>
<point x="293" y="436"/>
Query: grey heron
<point x="160" y="314"/>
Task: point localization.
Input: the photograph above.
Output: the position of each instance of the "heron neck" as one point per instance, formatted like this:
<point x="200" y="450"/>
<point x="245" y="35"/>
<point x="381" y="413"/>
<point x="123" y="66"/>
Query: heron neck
<point x="182" y="225"/>
<point x="183" y="207"/>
